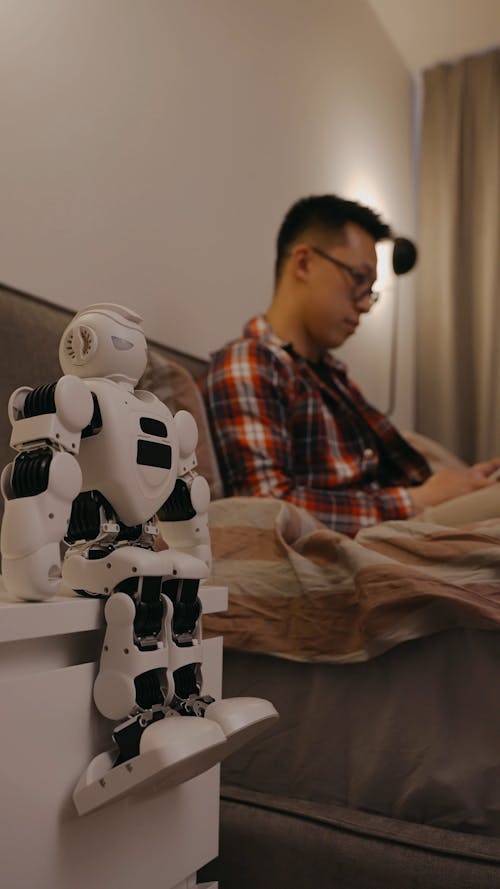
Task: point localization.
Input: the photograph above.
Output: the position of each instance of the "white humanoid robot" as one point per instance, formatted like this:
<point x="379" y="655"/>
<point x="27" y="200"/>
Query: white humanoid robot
<point x="106" y="469"/>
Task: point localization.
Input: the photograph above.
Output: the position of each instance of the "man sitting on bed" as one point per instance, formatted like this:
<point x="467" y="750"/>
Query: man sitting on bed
<point x="286" y="419"/>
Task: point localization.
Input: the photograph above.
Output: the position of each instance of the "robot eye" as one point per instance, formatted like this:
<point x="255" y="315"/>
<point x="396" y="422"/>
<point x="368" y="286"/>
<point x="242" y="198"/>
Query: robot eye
<point x="121" y="345"/>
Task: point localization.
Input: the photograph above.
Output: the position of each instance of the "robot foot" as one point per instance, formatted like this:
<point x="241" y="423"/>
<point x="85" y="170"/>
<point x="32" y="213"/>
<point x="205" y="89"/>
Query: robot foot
<point x="172" y="750"/>
<point x="240" y="719"/>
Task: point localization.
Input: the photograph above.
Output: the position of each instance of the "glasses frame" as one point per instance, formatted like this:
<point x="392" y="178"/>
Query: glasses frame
<point x="358" y="277"/>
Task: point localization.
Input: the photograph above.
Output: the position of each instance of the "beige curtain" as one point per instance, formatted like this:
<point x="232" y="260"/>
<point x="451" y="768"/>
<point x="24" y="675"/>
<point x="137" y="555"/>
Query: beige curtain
<point x="458" y="309"/>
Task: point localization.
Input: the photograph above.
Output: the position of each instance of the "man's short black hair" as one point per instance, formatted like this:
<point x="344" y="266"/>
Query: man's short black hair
<point x="328" y="214"/>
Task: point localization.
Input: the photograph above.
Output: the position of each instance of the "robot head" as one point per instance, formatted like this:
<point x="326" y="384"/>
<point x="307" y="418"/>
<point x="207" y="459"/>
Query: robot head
<point x="104" y="340"/>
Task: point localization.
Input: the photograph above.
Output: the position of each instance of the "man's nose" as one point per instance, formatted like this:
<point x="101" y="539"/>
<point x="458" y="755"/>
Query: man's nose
<point x="363" y="304"/>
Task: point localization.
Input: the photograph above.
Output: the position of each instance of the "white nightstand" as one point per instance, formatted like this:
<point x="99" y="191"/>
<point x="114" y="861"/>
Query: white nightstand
<point x="50" y="730"/>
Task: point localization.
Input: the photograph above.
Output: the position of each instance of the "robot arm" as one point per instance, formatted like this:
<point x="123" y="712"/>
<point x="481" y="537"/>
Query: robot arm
<point x="40" y="485"/>
<point x="183" y="518"/>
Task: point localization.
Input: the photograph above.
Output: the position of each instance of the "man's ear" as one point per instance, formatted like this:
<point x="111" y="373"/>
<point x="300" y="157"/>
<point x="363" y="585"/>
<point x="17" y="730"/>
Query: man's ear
<point x="300" y="260"/>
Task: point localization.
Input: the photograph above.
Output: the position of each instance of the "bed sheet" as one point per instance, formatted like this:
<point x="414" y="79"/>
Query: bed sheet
<point x="301" y="591"/>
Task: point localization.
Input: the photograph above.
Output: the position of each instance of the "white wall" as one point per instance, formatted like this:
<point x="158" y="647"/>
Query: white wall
<point x="149" y="149"/>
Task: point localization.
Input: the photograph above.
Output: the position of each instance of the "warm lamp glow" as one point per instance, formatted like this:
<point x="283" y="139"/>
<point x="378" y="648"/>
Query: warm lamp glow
<point x="359" y="188"/>
<point x="385" y="273"/>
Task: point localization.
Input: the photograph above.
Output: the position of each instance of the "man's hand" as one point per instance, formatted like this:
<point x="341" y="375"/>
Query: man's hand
<point x="450" y="483"/>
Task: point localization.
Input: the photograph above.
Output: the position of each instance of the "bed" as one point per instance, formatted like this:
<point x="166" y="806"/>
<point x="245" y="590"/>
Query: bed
<point x="382" y="655"/>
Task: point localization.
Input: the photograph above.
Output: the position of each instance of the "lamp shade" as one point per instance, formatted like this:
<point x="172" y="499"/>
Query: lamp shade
<point x="404" y="256"/>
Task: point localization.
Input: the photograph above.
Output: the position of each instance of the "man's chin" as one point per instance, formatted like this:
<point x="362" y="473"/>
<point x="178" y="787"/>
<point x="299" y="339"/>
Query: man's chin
<point x="338" y="340"/>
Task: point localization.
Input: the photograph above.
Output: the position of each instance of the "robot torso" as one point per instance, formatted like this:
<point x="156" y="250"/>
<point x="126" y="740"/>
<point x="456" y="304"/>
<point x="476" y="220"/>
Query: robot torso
<point x="131" y="451"/>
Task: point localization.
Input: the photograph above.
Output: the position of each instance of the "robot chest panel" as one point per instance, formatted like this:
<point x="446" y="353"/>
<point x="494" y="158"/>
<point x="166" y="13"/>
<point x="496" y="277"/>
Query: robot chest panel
<point x="132" y="455"/>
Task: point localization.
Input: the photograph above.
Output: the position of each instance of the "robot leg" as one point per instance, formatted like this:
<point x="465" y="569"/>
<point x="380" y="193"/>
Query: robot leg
<point x="240" y="719"/>
<point x="135" y="686"/>
<point x="38" y="488"/>
<point x="150" y="676"/>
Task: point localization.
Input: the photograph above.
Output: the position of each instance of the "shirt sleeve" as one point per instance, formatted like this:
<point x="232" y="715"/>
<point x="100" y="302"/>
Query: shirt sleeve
<point x="249" y="396"/>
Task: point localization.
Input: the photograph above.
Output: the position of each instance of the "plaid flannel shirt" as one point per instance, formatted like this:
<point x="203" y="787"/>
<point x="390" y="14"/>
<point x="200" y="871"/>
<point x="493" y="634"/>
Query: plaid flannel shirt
<point x="284" y="428"/>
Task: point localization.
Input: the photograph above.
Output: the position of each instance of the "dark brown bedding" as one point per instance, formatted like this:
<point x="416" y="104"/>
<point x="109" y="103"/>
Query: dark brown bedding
<point x="413" y="734"/>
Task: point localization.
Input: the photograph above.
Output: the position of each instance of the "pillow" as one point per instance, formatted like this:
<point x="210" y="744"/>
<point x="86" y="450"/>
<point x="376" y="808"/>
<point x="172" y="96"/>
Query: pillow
<point x="175" y="386"/>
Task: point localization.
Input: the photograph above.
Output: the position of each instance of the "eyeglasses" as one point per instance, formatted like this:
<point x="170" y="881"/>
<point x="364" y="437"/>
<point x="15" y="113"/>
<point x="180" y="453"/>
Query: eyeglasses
<point x="358" y="278"/>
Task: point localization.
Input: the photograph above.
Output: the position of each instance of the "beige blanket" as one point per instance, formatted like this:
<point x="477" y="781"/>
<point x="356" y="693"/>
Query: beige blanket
<point x="300" y="591"/>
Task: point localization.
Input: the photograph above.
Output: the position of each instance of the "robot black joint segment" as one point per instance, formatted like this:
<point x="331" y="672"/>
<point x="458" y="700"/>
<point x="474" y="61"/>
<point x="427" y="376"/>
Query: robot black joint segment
<point x="148" y="689"/>
<point x="95" y="424"/>
<point x="129" y="586"/>
<point x="127" y="533"/>
<point x="40" y="401"/>
<point x="128" y="738"/>
<point x="186" y="681"/>
<point x="85" y="520"/>
<point x="30" y="475"/>
<point x="178" y="507"/>
<point x="148" y="620"/>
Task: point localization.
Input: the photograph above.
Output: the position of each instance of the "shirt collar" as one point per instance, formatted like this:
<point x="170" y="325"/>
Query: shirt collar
<point x="259" y="328"/>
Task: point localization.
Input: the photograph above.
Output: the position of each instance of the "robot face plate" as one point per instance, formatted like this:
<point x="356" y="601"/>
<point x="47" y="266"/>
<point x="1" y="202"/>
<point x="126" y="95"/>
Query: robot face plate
<point x="133" y="458"/>
<point x="104" y="340"/>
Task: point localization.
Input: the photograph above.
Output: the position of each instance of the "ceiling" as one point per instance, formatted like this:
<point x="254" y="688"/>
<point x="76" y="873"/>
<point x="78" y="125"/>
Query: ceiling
<point x="427" y="32"/>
